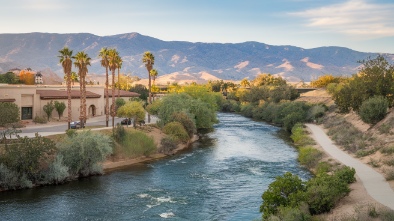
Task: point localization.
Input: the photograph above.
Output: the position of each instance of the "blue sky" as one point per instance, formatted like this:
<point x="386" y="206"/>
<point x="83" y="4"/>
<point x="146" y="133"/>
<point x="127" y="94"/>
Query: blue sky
<point x="362" y="25"/>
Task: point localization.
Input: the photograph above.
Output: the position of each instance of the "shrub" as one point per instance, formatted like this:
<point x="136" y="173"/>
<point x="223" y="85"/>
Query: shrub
<point x="247" y="110"/>
<point x="28" y="156"/>
<point x="177" y="130"/>
<point x="323" y="167"/>
<point x="84" y="152"/>
<point x="389" y="174"/>
<point x="9" y="113"/>
<point x="57" y="171"/>
<point x="309" y="156"/>
<point x="137" y="143"/>
<point x="325" y="80"/>
<point x="40" y="120"/>
<point x="168" y="144"/>
<point x="120" y="133"/>
<point x="346" y="174"/>
<point x="71" y="132"/>
<point x="186" y="122"/>
<point x="384" y="128"/>
<point x="60" y="107"/>
<point x="387" y="150"/>
<point x="230" y="106"/>
<point x="323" y="192"/>
<point x="288" y="213"/>
<point x="316" y="111"/>
<point x="281" y="192"/>
<point x="373" y="110"/>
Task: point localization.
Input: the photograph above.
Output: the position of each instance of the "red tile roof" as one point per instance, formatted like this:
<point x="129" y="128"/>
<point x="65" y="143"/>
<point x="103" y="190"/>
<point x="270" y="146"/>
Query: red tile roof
<point x="57" y="94"/>
<point x="7" y="100"/>
<point x="122" y="93"/>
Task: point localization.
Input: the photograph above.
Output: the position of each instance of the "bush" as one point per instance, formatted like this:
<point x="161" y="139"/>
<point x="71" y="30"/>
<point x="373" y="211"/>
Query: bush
<point x="137" y="143"/>
<point x="48" y="108"/>
<point x="57" y="172"/>
<point x="29" y="156"/>
<point x="373" y="110"/>
<point x="309" y="156"/>
<point x="387" y="150"/>
<point x="186" y="122"/>
<point x="168" y="144"/>
<point x="9" y="113"/>
<point x="247" y="110"/>
<point x="230" y="106"/>
<point x="323" y="167"/>
<point x="346" y="174"/>
<point x="281" y="192"/>
<point x="40" y="120"/>
<point x="71" y="132"/>
<point x="316" y="111"/>
<point x="84" y="152"/>
<point x="288" y="213"/>
<point x="177" y="130"/>
<point x="120" y="133"/>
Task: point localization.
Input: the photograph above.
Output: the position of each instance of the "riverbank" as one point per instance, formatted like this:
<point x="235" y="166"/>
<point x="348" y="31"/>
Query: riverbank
<point x="157" y="134"/>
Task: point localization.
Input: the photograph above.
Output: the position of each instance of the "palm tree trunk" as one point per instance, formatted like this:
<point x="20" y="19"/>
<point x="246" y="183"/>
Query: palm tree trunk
<point x="106" y="98"/>
<point x="69" y="100"/>
<point x="81" y="100"/>
<point x="84" y="100"/>
<point x="118" y="83"/>
<point x="113" y="99"/>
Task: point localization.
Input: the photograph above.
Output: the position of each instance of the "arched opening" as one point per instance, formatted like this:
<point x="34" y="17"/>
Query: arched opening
<point x="92" y="110"/>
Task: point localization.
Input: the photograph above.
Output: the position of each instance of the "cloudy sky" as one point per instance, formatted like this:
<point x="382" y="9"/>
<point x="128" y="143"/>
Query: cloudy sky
<point x="362" y="25"/>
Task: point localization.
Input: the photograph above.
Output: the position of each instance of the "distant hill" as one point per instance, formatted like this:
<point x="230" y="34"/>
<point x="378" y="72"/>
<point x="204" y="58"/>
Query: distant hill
<point x="39" y="51"/>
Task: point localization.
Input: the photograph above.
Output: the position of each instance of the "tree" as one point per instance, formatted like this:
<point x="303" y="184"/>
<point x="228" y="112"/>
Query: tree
<point x="119" y="62"/>
<point x="82" y="61"/>
<point x="153" y="73"/>
<point x="9" y="78"/>
<point x="142" y="90"/>
<point x="149" y="60"/>
<point x="60" y="107"/>
<point x="65" y="59"/>
<point x="113" y="63"/>
<point x="132" y="109"/>
<point x="9" y="113"/>
<point x="105" y="63"/>
<point x="268" y="79"/>
<point x="245" y="82"/>
<point x="119" y="102"/>
<point x="48" y="108"/>
<point x="27" y="77"/>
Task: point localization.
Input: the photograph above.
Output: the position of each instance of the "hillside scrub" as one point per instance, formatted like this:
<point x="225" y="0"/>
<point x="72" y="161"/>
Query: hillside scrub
<point x="373" y="109"/>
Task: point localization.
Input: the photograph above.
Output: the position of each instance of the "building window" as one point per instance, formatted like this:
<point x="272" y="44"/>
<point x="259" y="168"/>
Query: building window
<point x="27" y="113"/>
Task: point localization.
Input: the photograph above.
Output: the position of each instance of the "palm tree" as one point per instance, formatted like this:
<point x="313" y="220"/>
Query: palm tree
<point x="113" y="58"/>
<point x="82" y="60"/>
<point x="104" y="62"/>
<point x="119" y="63"/>
<point x="74" y="77"/>
<point x="149" y="60"/>
<point x="153" y="73"/>
<point x="65" y="59"/>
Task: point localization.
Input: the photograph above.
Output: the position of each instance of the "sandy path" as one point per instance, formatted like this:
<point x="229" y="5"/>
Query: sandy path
<point x="374" y="182"/>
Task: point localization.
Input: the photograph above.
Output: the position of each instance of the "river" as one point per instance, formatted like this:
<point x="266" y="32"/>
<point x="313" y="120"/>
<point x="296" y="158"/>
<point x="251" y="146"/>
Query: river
<point x="221" y="177"/>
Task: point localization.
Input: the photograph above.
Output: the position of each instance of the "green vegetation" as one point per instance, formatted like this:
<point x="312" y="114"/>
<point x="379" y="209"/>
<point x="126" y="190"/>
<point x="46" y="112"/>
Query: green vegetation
<point x="133" y="143"/>
<point x="9" y="113"/>
<point x="373" y="109"/>
<point x="324" y="80"/>
<point x="9" y="78"/>
<point x="40" y="120"/>
<point x="60" y="107"/>
<point x="48" y="108"/>
<point x="176" y="130"/>
<point x="132" y="109"/>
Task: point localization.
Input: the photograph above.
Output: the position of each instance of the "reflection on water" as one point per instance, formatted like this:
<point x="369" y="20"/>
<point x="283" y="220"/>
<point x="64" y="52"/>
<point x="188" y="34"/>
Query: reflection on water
<point x="221" y="177"/>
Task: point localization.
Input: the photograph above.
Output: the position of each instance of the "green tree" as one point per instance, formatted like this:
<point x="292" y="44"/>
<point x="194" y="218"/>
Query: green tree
<point x="142" y="90"/>
<point x="103" y="54"/>
<point x="245" y="83"/>
<point x="268" y="79"/>
<point x="82" y="61"/>
<point x="48" y="108"/>
<point x="9" y="78"/>
<point x="60" y="107"/>
<point x="149" y="60"/>
<point x="281" y="192"/>
<point x="132" y="109"/>
<point x="119" y="102"/>
<point x="66" y="61"/>
<point x="153" y="73"/>
<point x="176" y="130"/>
<point x="9" y="113"/>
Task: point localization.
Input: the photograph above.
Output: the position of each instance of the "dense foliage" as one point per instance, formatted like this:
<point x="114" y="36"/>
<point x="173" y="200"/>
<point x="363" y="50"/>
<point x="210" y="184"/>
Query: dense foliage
<point x="325" y="80"/>
<point x="132" y="109"/>
<point x="176" y="130"/>
<point x="48" y="108"/>
<point x="60" y="107"/>
<point x="9" y="78"/>
<point x="373" y="109"/>
<point x="9" y="113"/>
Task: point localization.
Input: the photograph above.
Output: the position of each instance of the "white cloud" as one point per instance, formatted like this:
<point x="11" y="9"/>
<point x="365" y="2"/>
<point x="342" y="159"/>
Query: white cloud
<point x="354" y="17"/>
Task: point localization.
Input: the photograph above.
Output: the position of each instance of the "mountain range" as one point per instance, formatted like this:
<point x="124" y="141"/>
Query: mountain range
<point x="180" y="59"/>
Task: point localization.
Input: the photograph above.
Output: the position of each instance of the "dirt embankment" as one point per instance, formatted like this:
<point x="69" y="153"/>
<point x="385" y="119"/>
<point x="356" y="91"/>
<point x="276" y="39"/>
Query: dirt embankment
<point x="358" y="202"/>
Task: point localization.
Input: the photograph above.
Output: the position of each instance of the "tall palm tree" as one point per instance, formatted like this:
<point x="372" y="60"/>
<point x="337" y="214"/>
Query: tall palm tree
<point x="66" y="61"/>
<point x="103" y="54"/>
<point x="153" y="73"/>
<point x="119" y="63"/>
<point x="149" y="60"/>
<point x="74" y="77"/>
<point x="82" y="60"/>
<point x="113" y="58"/>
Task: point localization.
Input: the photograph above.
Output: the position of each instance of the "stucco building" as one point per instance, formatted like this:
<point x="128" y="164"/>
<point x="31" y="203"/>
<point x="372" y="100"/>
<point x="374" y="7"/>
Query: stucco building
<point x="31" y="99"/>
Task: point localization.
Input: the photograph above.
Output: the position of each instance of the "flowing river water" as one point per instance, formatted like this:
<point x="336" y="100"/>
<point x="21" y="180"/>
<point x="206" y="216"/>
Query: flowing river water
<point x="221" y="177"/>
